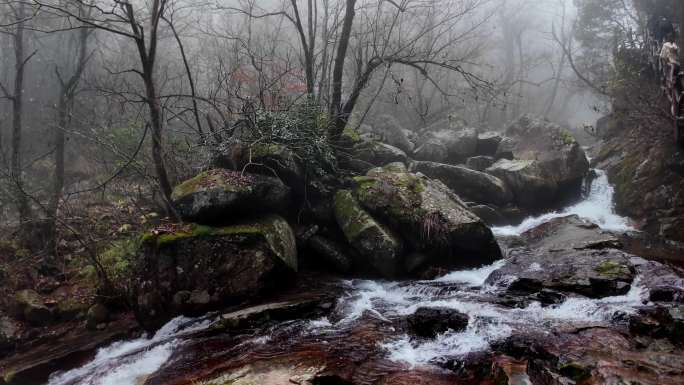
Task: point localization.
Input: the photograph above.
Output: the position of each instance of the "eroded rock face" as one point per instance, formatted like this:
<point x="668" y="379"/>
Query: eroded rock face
<point x="216" y="195"/>
<point x="468" y="184"/>
<point x="213" y="265"/>
<point x="432" y="219"/>
<point x="373" y="240"/>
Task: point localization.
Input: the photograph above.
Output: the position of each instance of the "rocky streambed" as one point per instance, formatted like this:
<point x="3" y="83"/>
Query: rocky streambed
<point x="568" y="304"/>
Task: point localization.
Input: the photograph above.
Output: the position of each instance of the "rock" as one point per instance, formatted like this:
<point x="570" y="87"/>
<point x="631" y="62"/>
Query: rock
<point x="432" y="219"/>
<point x="374" y="154"/>
<point x="373" y="240"/>
<point x="570" y="232"/>
<point x="592" y="273"/>
<point x="273" y="160"/>
<point x="331" y="253"/>
<point x="390" y="131"/>
<point x="488" y="143"/>
<point x="97" y="314"/>
<point x="532" y="187"/>
<point x="29" y="306"/>
<point x="479" y="163"/>
<point x="216" y="195"/>
<point x="505" y="149"/>
<point x="488" y="214"/>
<point x="256" y="316"/>
<point x="558" y="156"/>
<point x="70" y="308"/>
<point x="459" y="145"/>
<point x="9" y="335"/>
<point x="428" y="322"/>
<point x="225" y="264"/>
<point x="659" y="322"/>
<point x="431" y="150"/>
<point x="468" y="184"/>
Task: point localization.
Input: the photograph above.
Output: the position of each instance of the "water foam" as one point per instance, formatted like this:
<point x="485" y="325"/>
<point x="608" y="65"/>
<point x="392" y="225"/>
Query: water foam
<point x="598" y="207"/>
<point x="126" y="363"/>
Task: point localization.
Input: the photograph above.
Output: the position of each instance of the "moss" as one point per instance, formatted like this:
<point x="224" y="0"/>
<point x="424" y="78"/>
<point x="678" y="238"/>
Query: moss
<point x="566" y="137"/>
<point x="117" y="259"/>
<point x="348" y="211"/>
<point x="575" y="371"/>
<point x="261" y="150"/>
<point x="351" y="135"/>
<point x="231" y="181"/>
<point x="611" y="269"/>
<point x="194" y="230"/>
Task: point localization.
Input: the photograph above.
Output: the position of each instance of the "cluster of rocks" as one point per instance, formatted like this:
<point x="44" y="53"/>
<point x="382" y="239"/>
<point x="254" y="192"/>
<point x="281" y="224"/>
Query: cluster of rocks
<point x="534" y="165"/>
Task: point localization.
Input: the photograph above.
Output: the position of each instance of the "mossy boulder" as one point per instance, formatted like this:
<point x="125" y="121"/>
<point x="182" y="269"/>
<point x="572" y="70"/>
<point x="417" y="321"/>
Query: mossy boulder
<point x="217" y="195"/>
<point x="230" y="264"/>
<point x="373" y="240"/>
<point x="559" y="157"/>
<point x="270" y="159"/>
<point x="469" y="184"/>
<point x="29" y="306"/>
<point x="430" y="217"/>
<point x="532" y="186"/>
<point x="367" y="155"/>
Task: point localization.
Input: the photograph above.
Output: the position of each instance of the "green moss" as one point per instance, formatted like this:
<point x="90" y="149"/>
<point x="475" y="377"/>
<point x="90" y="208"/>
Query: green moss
<point x="612" y="269"/>
<point x="575" y="371"/>
<point x="352" y="217"/>
<point x="211" y="179"/>
<point x="261" y="150"/>
<point x="194" y="230"/>
<point x="566" y="137"/>
<point x="117" y="259"/>
<point x="351" y="135"/>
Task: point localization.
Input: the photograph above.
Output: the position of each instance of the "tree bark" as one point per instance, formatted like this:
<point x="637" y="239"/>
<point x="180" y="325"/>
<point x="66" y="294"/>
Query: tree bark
<point x="17" y="112"/>
<point x="336" y="110"/>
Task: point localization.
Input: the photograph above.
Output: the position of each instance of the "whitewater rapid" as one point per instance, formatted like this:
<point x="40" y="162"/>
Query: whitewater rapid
<point x="130" y="362"/>
<point x="597" y="207"/>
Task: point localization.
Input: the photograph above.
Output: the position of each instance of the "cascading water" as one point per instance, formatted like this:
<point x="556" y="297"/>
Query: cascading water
<point x="597" y="207"/>
<point x="127" y="363"/>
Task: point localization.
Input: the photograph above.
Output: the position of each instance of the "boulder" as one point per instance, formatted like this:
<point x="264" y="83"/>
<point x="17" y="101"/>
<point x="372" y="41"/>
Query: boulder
<point x="373" y="240"/>
<point x="488" y="143"/>
<point x="479" y="163"/>
<point x="570" y="232"/>
<point x="505" y="149"/>
<point x="591" y="273"/>
<point x="432" y="219"/>
<point x="489" y="215"/>
<point x="556" y="152"/>
<point x="388" y="130"/>
<point x="373" y="154"/>
<point x="468" y="184"/>
<point x="272" y="159"/>
<point x="229" y="263"/>
<point x="30" y="307"/>
<point x="9" y="335"/>
<point x="428" y="322"/>
<point x="532" y="186"/>
<point x="431" y="150"/>
<point x="216" y="195"/>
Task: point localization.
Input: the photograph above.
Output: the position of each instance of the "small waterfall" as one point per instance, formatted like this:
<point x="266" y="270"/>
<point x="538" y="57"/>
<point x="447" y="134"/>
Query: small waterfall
<point x="597" y="207"/>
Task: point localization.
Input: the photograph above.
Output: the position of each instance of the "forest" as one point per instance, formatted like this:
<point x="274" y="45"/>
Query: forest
<point x="341" y="192"/>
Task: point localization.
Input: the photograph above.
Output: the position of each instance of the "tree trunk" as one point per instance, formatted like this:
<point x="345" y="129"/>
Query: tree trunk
<point x="336" y="114"/>
<point x="154" y="105"/>
<point x="17" y="111"/>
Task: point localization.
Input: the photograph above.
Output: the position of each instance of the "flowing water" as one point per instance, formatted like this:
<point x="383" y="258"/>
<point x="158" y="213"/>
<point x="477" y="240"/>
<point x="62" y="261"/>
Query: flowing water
<point x="126" y="363"/>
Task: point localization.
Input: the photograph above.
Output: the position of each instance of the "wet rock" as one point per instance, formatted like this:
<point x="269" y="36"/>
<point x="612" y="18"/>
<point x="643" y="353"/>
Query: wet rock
<point x="570" y="232"/>
<point x="229" y="263"/>
<point x="430" y="217"/>
<point x="591" y="273"/>
<point x="258" y="315"/>
<point x="468" y="184"/>
<point x="216" y="195"/>
<point x="332" y="253"/>
<point x="274" y="160"/>
<point x="532" y="186"/>
<point x="373" y="240"/>
<point x="488" y="143"/>
<point x="667" y="294"/>
<point x="479" y="163"/>
<point x="489" y="215"/>
<point x="659" y="322"/>
<point x="29" y="306"/>
<point x="429" y="322"/>
<point x="557" y="157"/>
<point x="97" y="314"/>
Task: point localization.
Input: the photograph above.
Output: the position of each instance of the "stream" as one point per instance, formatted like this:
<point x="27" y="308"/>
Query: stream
<point x="373" y="309"/>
